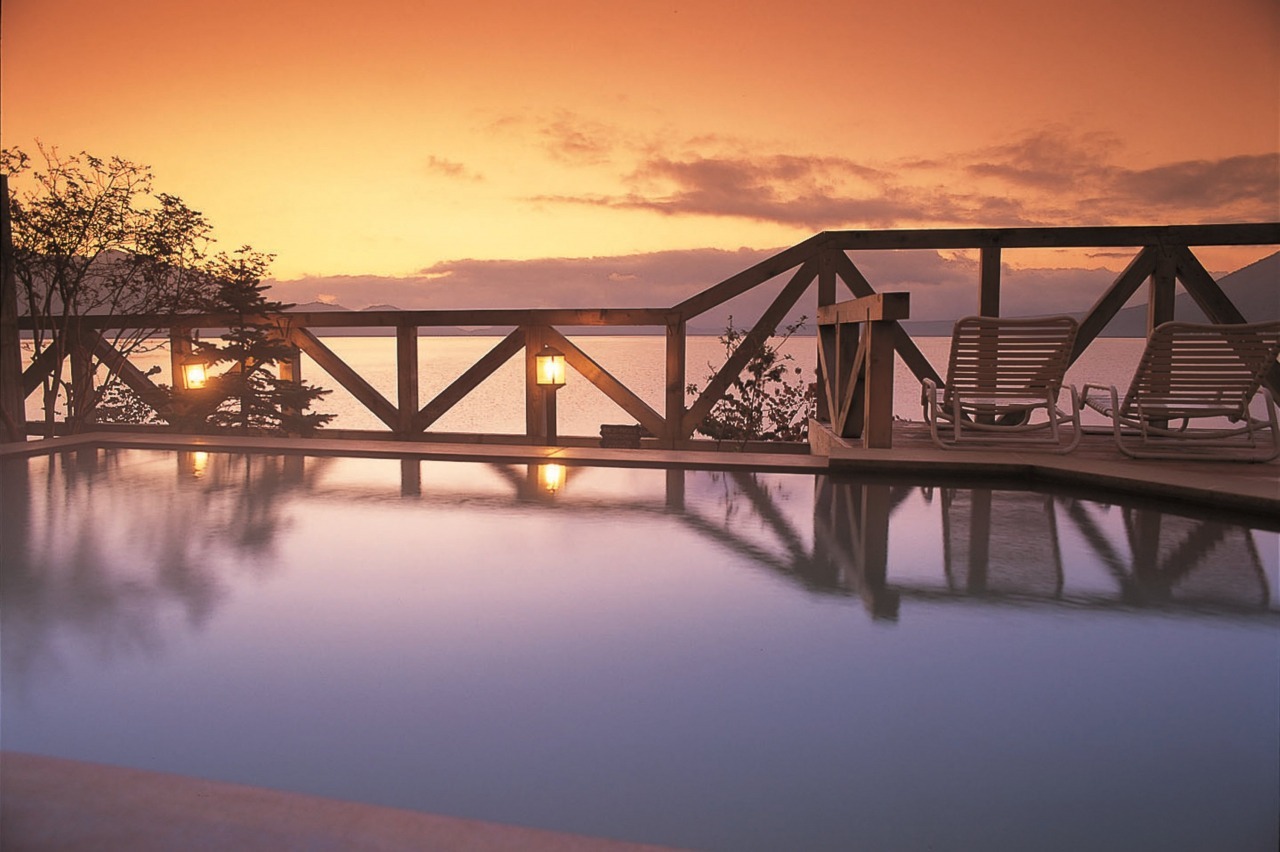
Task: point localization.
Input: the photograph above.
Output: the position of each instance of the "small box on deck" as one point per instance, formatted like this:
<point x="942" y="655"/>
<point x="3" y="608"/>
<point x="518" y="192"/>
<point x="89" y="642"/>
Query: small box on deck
<point x="621" y="436"/>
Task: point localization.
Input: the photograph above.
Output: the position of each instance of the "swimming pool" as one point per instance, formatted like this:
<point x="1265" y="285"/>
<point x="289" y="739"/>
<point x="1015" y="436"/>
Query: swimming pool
<point x="711" y="659"/>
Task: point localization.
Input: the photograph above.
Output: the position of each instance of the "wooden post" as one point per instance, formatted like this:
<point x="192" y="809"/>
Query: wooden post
<point x="179" y="348"/>
<point x="677" y="355"/>
<point x="406" y="377"/>
<point x="535" y="401"/>
<point x="13" y="408"/>
<point x="82" y="383"/>
<point x="1161" y="291"/>
<point x="866" y="387"/>
<point x="848" y="379"/>
<point x="827" y="296"/>
<point x="549" y="412"/>
<point x="877" y="428"/>
<point x="989" y="288"/>
<point x="290" y="367"/>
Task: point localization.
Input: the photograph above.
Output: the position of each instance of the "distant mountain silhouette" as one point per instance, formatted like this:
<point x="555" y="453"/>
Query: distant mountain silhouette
<point x="1254" y="289"/>
<point x="315" y="307"/>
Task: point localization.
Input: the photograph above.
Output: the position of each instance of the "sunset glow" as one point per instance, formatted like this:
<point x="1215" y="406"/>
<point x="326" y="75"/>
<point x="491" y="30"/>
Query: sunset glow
<point x="397" y="137"/>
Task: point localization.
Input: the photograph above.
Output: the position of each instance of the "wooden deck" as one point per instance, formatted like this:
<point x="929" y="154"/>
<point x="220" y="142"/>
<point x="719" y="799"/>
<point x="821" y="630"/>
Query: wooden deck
<point x="1095" y="467"/>
<point x="1096" y="464"/>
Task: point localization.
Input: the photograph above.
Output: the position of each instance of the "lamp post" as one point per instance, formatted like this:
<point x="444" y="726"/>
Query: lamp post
<point x="550" y="371"/>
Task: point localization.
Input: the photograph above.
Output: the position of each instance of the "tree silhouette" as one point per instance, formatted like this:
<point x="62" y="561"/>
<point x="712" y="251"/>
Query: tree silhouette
<point x="91" y="236"/>
<point x="251" y="395"/>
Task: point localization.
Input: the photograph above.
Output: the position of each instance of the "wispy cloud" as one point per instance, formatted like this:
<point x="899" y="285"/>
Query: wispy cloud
<point x="450" y="169"/>
<point x="565" y="137"/>
<point x="568" y="137"/>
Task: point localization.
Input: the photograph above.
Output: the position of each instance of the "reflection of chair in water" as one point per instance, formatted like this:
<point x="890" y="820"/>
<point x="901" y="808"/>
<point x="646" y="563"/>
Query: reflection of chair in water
<point x="999" y="373"/>
<point x="1174" y="559"/>
<point x="1001" y="543"/>
<point x="1191" y="370"/>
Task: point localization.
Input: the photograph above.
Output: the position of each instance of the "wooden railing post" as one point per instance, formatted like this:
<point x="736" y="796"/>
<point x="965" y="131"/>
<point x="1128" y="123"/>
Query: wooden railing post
<point x="290" y="367"/>
<point x="826" y="296"/>
<point x="877" y="418"/>
<point x="406" y="378"/>
<point x="13" y="406"/>
<point x="535" y="398"/>
<point x="179" y="348"/>
<point x="989" y="286"/>
<point x="82" y="379"/>
<point x="677" y="355"/>
<point x="1161" y="290"/>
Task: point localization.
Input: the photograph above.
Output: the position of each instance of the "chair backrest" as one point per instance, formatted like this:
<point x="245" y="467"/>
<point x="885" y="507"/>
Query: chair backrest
<point x="996" y="357"/>
<point x="1201" y="369"/>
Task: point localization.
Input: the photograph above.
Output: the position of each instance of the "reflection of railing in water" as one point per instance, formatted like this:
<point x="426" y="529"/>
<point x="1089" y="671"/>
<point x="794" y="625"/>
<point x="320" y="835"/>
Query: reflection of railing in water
<point x="997" y="547"/>
<point x="1174" y="559"/>
<point x="1001" y="542"/>
<point x="822" y="262"/>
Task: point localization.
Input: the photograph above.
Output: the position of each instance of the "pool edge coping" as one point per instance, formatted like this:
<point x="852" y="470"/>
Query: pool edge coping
<point x="1260" y="496"/>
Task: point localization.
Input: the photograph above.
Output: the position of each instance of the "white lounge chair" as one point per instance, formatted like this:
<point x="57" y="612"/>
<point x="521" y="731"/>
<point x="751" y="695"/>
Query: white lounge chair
<point x="1000" y="372"/>
<point x="1196" y="371"/>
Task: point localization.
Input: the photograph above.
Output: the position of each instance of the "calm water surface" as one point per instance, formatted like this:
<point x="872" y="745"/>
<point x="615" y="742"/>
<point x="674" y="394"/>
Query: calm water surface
<point x="704" y="659"/>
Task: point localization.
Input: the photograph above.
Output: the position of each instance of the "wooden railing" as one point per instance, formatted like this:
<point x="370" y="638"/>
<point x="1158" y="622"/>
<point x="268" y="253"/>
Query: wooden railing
<point x="1164" y="256"/>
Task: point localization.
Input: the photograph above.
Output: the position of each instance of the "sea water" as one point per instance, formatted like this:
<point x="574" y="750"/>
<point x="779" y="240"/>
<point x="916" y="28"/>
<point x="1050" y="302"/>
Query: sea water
<point x="639" y="362"/>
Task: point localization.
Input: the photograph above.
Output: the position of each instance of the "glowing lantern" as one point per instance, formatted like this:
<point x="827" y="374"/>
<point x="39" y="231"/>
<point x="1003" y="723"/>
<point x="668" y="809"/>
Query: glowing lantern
<point x="550" y="367"/>
<point x="194" y="374"/>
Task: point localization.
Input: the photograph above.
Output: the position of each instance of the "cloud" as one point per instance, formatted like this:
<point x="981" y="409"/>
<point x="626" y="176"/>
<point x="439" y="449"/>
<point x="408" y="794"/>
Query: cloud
<point x="655" y="279"/>
<point x="565" y="137"/>
<point x="1250" y="182"/>
<point x="942" y="285"/>
<point x="1050" y="176"/>
<point x="450" y="169"/>
<point x="1080" y="181"/>
<point x="570" y="138"/>
<point x="1050" y="159"/>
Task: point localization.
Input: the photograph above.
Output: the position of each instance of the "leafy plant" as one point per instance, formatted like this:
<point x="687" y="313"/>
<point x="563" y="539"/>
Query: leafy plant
<point x="768" y="401"/>
<point x="119" y="403"/>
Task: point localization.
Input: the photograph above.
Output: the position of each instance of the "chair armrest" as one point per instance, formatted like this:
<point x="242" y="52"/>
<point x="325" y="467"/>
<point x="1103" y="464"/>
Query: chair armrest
<point x="1103" y="399"/>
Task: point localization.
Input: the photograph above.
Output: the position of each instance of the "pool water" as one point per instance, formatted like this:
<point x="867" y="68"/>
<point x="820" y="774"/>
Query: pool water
<point x="718" y="660"/>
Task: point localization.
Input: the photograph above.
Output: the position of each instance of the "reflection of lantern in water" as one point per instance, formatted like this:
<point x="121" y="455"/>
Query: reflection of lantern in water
<point x="193" y="463"/>
<point x="551" y="477"/>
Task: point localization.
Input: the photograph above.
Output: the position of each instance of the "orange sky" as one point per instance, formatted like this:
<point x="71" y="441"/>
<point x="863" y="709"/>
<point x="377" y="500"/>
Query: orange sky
<point x="391" y="136"/>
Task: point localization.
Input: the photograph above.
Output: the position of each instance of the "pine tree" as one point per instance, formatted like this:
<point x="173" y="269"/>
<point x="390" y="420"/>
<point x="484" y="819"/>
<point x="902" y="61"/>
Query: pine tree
<point x="250" y="395"/>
